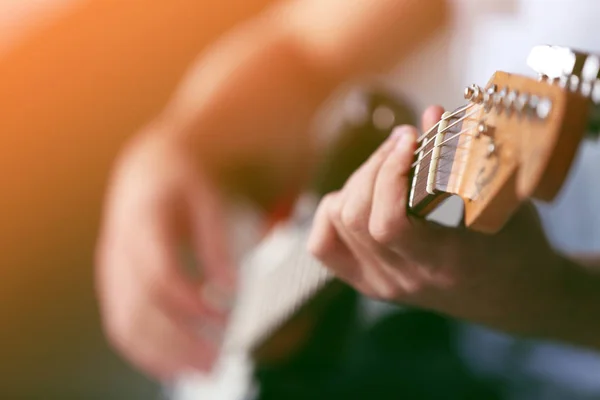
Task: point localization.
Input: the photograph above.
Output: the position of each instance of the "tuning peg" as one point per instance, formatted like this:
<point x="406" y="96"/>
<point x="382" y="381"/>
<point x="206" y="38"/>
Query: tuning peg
<point x="474" y="93"/>
<point x="591" y="68"/>
<point x="544" y="108"/>
<point x="500" y="100"/>
<point x="567" y="67"/>
<point x="521" y="102"/>
<point x="482" y="129"/>
<point x="469" y="92"/>
<point x="510" y="100"/>
<point x="533" y="102"/>
<point x="497" y="101"/>
<point x="556" y="61"/>
<point x="538" y="107"/>
<point x="551" y="61"/>
<point x="491" y="149"/>
<point x="595" y="92"/>
<point x="574" y="83"/>
<point x="564" y="81"/>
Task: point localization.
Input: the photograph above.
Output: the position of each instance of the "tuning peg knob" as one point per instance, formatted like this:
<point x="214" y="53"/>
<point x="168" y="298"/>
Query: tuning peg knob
<point x="491" y="149"/>
<point x="544" y="108"/>
<point x="556" y="62"/>
<point x="533" y="102"/>
<point x="474" y="93"/>
<point x="521" y="102"/>
<point x="510" y="100"/>
<point x="482" y="129"/>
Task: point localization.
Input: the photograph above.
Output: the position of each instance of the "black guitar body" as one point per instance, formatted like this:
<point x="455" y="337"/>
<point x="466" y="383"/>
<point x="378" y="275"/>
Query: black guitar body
<point x="406" y="355"/>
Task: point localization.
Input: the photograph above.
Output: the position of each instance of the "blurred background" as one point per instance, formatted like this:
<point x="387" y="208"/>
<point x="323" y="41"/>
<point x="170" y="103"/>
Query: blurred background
<point x="77" y="77"/>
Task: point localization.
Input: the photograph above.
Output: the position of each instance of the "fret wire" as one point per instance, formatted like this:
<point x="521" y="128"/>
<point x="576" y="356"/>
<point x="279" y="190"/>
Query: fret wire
<point x="455" y="161"/>
<point x="308" y="279"/>
<point x="272" y="325"/>
<point x="463" y="147"/>
<point x="420" y="185"/>
<point x="271" y="310"/>
<point x="442" y="132"/>
<point x="434" y="127"/>
<point x="463" y="132"/>
<point x="299" y="277"/>
<point x="445" y="130"/>
<point x="296" y="278"/>
<point x="459" y="160"/>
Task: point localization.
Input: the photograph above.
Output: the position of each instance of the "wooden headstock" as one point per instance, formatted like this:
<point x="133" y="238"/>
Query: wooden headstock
<point x="532" y="132"/>
<point x="514" y="140"/>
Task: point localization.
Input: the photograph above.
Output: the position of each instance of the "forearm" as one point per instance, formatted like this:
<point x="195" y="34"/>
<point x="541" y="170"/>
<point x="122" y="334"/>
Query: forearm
<point x="260" y="86"/>
<point x="353" y="38"/>
<point x="305" y="49"/>
<point x="577" y="317"/>
<point x="247" y="105"/>
<point x="562" y="304"/>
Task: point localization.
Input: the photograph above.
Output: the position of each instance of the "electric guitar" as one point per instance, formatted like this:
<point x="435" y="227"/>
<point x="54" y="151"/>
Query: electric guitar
<point x="513" y="140"/>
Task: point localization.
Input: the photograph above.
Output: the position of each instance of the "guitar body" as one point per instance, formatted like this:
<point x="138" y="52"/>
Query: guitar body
<point x="407" y="355"/>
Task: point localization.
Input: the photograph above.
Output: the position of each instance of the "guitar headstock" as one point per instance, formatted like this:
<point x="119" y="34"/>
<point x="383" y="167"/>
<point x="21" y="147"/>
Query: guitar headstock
<point x="515" y="139"/>
<point x="526" y="135"/>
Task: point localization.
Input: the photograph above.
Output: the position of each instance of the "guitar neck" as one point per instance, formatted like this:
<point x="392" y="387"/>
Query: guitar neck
<point x="278" y="278"/>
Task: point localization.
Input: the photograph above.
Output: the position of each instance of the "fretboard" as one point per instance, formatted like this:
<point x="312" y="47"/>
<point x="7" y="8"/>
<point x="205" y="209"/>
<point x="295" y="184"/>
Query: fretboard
<point x="434" y="161"/>
<point x="278" y="278"/>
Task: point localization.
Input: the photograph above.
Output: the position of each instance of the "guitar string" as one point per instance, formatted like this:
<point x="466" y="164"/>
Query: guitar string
<point x="439" y="179"/>
<point x="463" y="146"/>
<point x="446" y="175"/>
<point x="453" y="114"/>
<point x="463" y="132"/>
<point x="462" y="159"/>
<point x="453" y="124"/>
